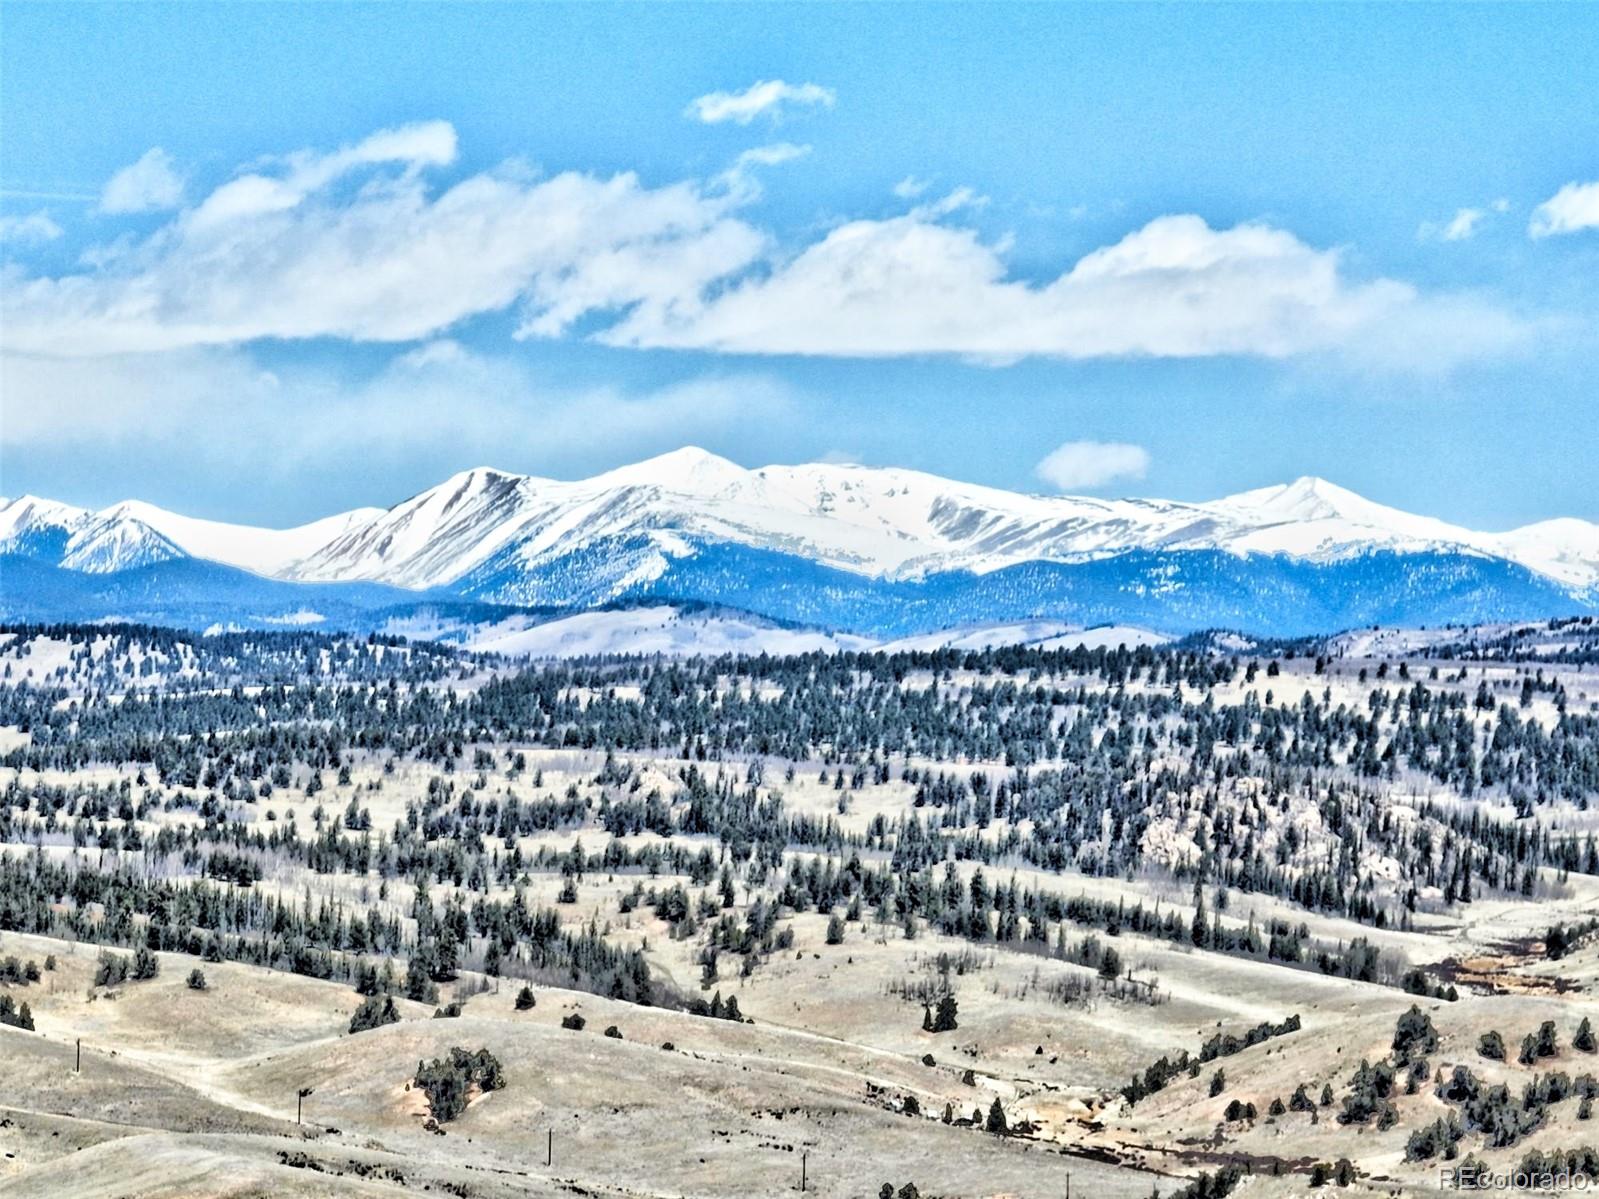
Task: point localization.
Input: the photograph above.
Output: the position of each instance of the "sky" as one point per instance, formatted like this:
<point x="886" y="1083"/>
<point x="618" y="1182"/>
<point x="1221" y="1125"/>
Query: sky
<point x="268" y="262"/>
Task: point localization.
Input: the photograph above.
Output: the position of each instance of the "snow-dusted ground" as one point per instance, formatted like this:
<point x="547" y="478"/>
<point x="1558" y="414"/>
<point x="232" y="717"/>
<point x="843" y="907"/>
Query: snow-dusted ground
<point x="1041" y="634"/>
<point x="666" y="630"/>
<point x="657" y="630"/>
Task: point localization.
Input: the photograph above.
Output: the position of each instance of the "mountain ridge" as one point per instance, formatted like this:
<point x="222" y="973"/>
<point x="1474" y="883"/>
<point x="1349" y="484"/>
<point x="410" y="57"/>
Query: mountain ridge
<point x="673" y="526"/>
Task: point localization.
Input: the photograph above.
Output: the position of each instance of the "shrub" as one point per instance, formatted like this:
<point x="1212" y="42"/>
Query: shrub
<point x="574" y="1021"/>
<point x="1491" y="1046"/>
<point x="525" y="998"/>
<point x="996" y="1120"/>
<point x="111" y="969"/>
<point x="448" y="1082"/>
<point x="1548" y="1043"/>
<point x="14" y="1015"/>
<point x="374" y="1012"/>
<point x="1414" y="1037"/>
<point x="197" y="980"/>
<point x="1368" y="1093"/>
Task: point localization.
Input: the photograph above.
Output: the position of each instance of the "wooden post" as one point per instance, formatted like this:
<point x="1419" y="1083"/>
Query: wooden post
<point x="549" y="1147"/>
<point x="78" y="1069"/>
<point x="803" y="1157"/>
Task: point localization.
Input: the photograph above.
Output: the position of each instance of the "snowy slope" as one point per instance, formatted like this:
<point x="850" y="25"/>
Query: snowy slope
<point x="885" y="523"/>
<point x="658" y="629"/>
<point x="133" y="534"/>
<point x="504" y="536"/>
<point x="261" y="551"/>
<point x="39" y="528"/>
<point x="1039" y="634"/>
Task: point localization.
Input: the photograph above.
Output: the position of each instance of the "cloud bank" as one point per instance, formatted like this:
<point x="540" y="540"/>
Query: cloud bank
<point x="362" y="243"/>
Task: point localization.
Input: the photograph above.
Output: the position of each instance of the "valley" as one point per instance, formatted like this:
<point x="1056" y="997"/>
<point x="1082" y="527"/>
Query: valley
<point x="1199" y="917"/>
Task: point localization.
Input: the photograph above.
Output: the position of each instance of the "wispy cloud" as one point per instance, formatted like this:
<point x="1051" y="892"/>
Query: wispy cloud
<point x="768" y="98"/>
<point x="282" y="253"/>
<point x="1573" y="208"/>
<point x="34" y="227"/>
<point x="430" y="408"/>
<point x="1463" y="226"/>
<point x="1091" y="464"/>
<point x="361" y="243"/>
<point x="1175" y="288"/>
<point x="148" y="185"/>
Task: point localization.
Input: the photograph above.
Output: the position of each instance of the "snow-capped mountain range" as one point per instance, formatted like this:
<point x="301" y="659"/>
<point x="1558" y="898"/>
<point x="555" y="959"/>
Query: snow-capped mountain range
<point x="693" y="526"/>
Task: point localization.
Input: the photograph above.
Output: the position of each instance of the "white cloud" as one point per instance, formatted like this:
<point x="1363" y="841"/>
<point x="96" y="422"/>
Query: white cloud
<point x="739" y="180"/>
<point x="772" y="155"/>
<point x="362" y="244"/>
<point x="286" y="255"/>
<point x="1464" y="225"/>
<point x="910" y="187"/>
<point x="148" y="185"/>
<point x="433" y="408"/>
<point x="1090" y="464"/>
<point x="36" y="226"/>
<point x="1574" y="207"/>
<point x="767" y="98"/>
<point x="425" y="144"/>
<point x="1174" y="288"/>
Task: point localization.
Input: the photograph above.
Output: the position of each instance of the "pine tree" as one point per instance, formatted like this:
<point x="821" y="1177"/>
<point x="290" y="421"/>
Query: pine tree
<point x="996" y="1119"/>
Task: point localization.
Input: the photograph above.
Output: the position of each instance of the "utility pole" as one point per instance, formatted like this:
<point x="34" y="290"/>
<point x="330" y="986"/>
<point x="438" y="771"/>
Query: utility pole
<point x="299" y="1102"/>
<point x="78" y="1069"/>
<point x="549" y="1147"/>
<point x="804" y="1156"/>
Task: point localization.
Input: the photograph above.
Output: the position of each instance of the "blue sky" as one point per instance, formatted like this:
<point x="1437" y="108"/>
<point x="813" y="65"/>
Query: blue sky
<point x="266" y="262"/>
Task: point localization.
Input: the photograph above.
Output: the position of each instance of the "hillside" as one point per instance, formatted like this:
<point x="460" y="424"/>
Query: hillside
<point x="1158" y="892"/>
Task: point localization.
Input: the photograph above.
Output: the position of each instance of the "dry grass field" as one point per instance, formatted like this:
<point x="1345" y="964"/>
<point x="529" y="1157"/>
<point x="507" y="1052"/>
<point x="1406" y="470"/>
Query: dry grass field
<point x="830" y="1075"/>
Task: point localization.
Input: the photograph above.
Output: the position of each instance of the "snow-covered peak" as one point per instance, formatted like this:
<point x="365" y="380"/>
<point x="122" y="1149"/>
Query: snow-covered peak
<point x="1306" y="498"/>
<point x="28" y="513"/>
<point x="876" y="521"/>
<point x="1565" y="548"/>
<point x="688" y="471"/>
<point x="114" y="541"/>
<point x="261" y="551"/>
